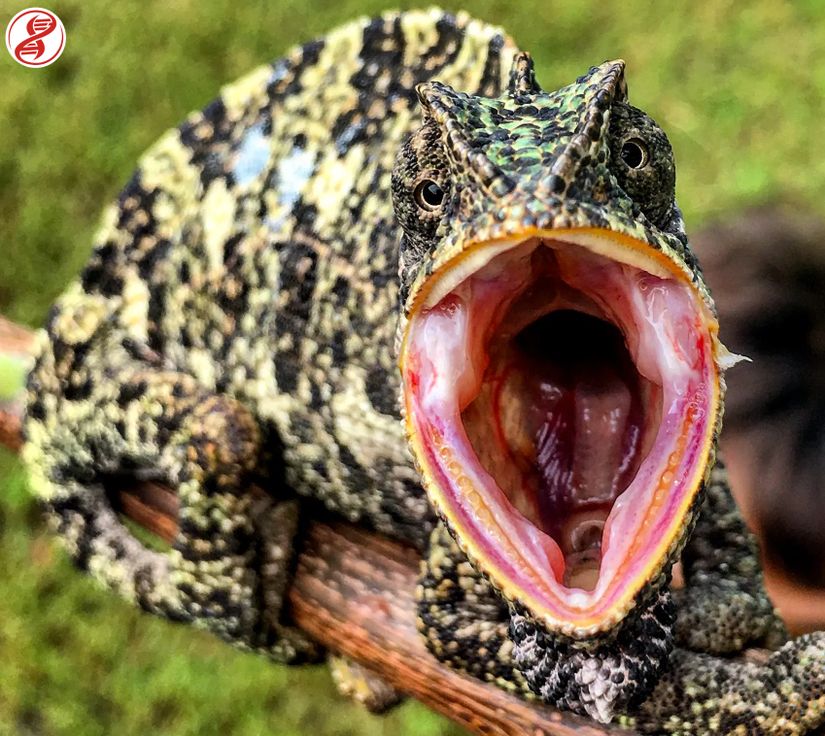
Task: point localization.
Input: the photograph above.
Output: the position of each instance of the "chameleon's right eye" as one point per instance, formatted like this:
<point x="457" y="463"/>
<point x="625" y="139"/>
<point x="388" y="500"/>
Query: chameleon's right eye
<point x="428" y="195"/>
<point x="635" y="154"/>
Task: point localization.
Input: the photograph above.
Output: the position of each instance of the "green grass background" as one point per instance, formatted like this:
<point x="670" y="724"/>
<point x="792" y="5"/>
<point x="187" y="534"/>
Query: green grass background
<point x="740" y="88"/>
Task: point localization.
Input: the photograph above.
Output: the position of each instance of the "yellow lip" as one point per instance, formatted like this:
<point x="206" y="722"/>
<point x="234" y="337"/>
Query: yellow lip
<point x="618" y="246"/>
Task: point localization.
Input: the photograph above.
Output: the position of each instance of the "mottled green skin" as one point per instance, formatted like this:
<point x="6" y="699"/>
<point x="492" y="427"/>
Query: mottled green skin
<point x="237" y="323"/>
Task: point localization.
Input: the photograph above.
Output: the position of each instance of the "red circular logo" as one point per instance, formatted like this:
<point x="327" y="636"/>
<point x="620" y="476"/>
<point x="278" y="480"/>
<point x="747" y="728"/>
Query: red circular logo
<point x="35" y="37"/>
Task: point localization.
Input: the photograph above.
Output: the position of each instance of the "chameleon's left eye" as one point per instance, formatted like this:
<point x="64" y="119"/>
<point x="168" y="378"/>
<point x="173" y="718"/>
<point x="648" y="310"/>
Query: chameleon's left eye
<point x="429" y="195"/>
<point x="634" y="153"/>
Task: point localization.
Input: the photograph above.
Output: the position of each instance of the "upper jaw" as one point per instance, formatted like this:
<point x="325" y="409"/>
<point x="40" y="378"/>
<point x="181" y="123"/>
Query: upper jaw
<point x="474" y="306"/>
<point x="624" y="234"/>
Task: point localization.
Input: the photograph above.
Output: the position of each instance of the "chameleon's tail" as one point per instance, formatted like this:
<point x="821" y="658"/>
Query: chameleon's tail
<point x="70" y="444"/>
<point x="703" y="695"/>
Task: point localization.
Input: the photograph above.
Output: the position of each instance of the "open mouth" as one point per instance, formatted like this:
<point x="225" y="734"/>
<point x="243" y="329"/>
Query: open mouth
<point x="561" y="395"/>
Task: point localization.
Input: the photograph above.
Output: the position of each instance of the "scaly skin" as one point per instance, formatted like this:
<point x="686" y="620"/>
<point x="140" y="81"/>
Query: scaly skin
<point x="248" y="273"/>
<point x="237" y="322"/>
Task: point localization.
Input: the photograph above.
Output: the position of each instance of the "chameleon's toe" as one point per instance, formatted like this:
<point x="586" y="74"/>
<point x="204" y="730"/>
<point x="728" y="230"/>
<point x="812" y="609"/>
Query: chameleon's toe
<point x="363" y="686"/>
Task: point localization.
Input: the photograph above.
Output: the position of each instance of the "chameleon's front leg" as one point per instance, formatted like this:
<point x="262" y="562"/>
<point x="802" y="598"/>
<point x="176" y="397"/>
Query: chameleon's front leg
<point x="724" y="607"/>
<point x="228" y="568"/>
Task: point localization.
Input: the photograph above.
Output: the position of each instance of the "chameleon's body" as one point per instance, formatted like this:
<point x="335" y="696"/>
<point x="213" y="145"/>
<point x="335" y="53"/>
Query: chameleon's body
<point x="238" y="321"/>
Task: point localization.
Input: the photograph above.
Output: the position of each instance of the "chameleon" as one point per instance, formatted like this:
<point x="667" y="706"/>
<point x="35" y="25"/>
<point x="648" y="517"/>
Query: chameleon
<point x="390" y="276"/>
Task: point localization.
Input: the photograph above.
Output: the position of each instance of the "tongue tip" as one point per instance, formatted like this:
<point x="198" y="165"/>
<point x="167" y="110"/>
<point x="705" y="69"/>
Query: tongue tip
<point x="582" y="569"/>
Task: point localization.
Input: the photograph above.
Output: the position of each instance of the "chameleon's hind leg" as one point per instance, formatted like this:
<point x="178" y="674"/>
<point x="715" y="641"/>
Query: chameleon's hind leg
<point x="703" y="695"/>
<point x="228" y="567"/>
<point x="724" y="606"/>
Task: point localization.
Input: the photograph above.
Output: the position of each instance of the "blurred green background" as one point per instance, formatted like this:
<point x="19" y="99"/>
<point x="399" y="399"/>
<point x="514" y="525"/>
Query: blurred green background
<point x="740" y="88"/>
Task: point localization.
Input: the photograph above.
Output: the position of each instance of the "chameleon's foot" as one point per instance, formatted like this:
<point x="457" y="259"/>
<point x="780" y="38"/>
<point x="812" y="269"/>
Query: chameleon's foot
<point x="702" y="695"/>
<point x="363" y="686"/>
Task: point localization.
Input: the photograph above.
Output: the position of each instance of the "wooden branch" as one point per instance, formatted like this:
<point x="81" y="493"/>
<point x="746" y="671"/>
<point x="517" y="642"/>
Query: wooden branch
<point x="353" y="592"/>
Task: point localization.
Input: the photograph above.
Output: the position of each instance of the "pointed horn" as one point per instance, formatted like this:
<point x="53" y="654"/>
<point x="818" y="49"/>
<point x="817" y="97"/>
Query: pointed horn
<point x="423" y="91"/>
<point x="523" y="76"/>
<point x="448" y="109"/>
<point x="435" y="98"/>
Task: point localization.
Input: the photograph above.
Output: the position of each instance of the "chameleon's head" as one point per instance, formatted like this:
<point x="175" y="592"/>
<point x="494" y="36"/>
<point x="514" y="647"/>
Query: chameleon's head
<point x="560" y="362"/>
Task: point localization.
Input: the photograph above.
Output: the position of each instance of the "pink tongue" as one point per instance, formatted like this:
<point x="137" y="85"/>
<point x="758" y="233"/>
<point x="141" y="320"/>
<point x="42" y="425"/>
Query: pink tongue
<point x="586" y="443"/>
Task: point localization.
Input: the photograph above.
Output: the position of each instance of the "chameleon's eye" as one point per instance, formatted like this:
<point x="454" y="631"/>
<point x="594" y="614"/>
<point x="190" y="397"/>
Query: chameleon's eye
<point x="635" y="153"/>
<point x="428" y="195"/>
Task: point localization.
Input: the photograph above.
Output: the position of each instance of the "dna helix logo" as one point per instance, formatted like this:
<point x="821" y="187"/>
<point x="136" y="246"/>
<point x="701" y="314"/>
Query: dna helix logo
<point x="35" y="37"/>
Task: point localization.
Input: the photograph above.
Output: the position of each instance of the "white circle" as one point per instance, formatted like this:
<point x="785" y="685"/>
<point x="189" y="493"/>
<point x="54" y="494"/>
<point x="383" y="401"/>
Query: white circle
<point x="35" y="37"/>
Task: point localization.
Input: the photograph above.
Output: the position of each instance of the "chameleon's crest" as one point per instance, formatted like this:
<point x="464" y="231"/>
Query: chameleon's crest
<point x="523" y="76"/>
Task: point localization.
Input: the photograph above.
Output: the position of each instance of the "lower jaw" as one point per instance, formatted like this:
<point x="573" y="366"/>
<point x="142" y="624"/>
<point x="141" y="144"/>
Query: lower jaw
<point x="479" y="424"/>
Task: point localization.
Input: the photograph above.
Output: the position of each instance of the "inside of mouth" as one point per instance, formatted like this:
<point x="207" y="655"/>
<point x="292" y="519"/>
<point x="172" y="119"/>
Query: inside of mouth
<point x="562" y="420"/>
<point x="563" y="398"/>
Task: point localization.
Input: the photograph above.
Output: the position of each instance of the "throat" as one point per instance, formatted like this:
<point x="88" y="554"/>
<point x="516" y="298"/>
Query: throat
<point x="560" y="422"/>
<point x="587" y="419"/>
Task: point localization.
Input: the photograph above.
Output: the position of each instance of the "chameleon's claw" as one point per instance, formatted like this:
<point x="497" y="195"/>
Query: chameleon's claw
<point x="363" y="686"/>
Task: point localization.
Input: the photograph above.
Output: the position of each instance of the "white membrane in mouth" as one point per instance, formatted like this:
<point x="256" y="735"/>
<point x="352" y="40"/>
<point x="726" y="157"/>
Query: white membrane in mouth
<point x="453" y="356"/>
